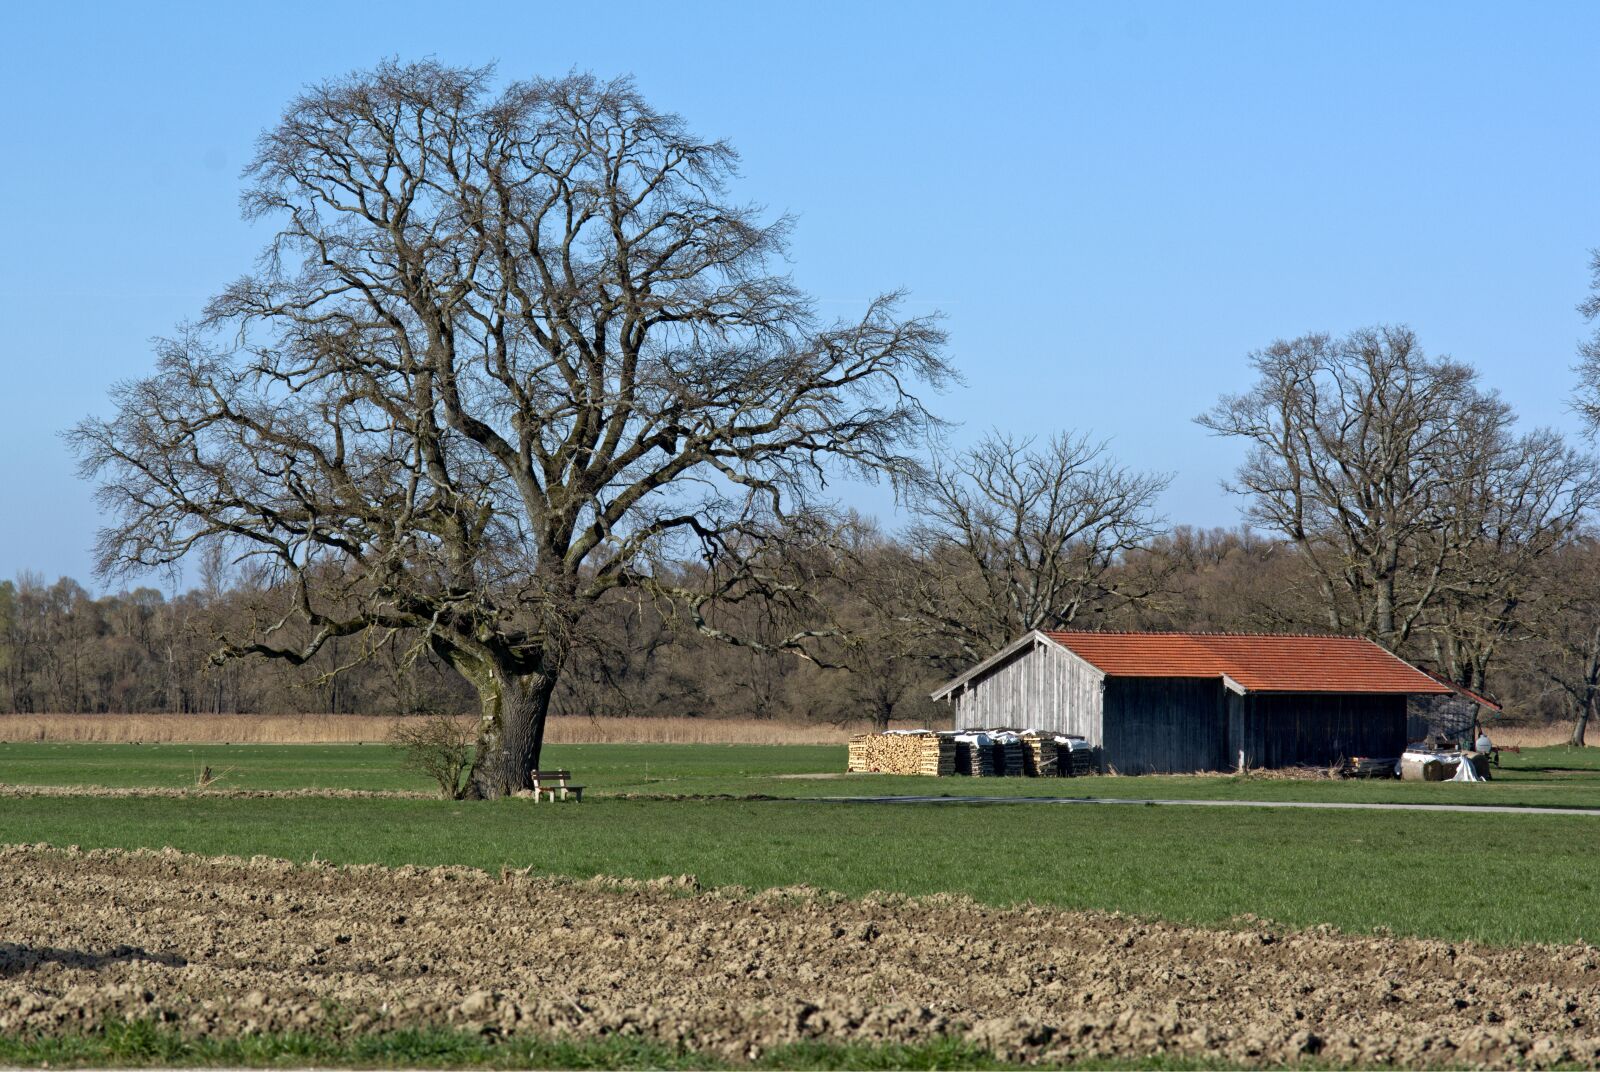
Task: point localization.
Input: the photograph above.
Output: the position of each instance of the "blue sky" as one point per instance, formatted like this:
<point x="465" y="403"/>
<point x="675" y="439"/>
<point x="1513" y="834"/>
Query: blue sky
<point x="1113" y="204"/>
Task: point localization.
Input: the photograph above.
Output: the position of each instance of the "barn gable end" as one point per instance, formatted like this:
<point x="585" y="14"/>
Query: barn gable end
<point x="1033" y="684"/>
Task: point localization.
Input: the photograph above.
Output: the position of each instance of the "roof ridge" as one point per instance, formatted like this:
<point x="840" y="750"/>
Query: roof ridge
<point x="1314" y="662"/>
<point x="1205" y="632"/>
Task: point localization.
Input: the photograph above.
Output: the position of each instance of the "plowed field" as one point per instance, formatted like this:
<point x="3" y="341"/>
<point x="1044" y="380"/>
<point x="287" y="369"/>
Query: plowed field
<point x="224" y="946"/>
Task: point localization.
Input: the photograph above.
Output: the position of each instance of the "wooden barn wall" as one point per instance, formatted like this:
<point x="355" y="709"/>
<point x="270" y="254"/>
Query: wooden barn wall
<point x="1286" y="730"/>
<point x="1041" y="688"/>
<point x="1165" y="725"/>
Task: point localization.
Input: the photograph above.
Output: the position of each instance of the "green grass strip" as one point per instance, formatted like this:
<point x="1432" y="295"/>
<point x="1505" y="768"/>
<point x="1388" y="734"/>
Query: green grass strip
<point x="146" y="1044"/>
<point x="1509" y="879"/>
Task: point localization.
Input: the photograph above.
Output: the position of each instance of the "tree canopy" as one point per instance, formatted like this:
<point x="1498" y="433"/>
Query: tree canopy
<point x="506" y="352"/>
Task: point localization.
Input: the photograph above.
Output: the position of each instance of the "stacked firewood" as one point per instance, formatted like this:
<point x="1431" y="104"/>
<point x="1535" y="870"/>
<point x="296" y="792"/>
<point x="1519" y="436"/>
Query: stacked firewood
<point x="903" y="753"/>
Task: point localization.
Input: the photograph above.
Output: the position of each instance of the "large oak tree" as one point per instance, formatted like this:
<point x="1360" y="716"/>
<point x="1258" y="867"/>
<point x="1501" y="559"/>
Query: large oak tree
<point x="506" y="353"/>
<point x="1417" y="505"/>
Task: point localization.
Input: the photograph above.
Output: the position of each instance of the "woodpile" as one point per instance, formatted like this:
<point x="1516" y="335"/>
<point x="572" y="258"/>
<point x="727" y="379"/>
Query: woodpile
<point x="974" y="753"/>
<point x="925" y="754"/>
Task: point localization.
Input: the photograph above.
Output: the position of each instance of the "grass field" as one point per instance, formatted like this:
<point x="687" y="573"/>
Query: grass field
<point x="144" y="1044"/>
<point x="1501" y="878"/>
<point x="1547" y="777"/>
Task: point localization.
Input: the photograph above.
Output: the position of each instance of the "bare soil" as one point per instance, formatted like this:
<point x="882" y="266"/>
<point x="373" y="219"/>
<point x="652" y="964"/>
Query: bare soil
<point x="226" y="946"/>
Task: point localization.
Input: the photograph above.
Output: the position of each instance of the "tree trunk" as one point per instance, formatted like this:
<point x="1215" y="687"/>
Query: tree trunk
<point x="510" y="733"/>
<point x="1582" y="724"/>
<point x="881" y="714"/>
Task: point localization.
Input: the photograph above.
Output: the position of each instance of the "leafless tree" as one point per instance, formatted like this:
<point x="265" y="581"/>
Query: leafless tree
<point x="1401" y="481"/>
<point x="1587" y="398"/>
<point x="1510" y="514"/>
<point x="506" y="354"/>
<point x="1010" y="538"/>
<point x="1567" y="650"/>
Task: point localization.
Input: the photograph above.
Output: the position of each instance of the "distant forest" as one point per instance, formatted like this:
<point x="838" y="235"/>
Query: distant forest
<point x="62" y="650"/>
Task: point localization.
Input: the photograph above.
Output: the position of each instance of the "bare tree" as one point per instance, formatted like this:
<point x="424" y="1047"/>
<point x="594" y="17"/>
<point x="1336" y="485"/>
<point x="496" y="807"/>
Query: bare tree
<point x="1219" y="579"/>
<point x="1011" y="538"/>
<point x="505" y="354"/>
<point x="1567" y="650"/>
<point x="1587" y="398"/>
<point x="1399" y="479"/>
<point x="1523" y="503"/>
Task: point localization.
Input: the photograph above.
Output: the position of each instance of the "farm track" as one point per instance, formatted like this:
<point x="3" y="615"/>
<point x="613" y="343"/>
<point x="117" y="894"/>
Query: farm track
<point x="221" y="945"/>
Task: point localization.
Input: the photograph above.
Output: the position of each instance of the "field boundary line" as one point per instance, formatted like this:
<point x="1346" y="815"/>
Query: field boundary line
<point x="21" y="789"/>
<point x="1326" y="805"/>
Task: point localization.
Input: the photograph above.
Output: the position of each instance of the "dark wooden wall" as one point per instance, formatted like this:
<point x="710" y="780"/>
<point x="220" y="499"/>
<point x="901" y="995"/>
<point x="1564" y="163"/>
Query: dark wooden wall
<point x="1286" y="730"/>
<point x="1165" y="725"/>
<point x="1176" y="725"/>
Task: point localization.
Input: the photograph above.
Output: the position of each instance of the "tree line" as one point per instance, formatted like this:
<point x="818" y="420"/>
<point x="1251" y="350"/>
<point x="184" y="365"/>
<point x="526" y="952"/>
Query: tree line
<point x="1387" y="494"/>
<point x="520" y="410"/>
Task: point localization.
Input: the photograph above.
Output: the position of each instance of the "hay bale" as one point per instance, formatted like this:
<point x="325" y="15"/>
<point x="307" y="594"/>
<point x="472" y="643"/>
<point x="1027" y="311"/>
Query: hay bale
<point x="1423" y="768"/>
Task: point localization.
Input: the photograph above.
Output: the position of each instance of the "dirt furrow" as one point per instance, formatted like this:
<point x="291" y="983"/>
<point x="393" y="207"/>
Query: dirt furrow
<point x="228" y="946"/>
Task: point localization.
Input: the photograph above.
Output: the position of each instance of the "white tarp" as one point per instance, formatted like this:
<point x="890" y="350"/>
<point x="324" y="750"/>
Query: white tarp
<point x="1466" y="772"/>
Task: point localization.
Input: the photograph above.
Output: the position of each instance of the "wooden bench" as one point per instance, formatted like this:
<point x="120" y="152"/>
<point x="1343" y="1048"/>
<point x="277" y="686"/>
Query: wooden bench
<point x="549" y="783"/>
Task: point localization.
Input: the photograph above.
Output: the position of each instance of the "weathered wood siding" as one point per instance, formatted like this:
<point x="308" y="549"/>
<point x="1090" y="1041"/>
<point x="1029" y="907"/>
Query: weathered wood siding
<point x="1165" y="725"/>
<point x="1041" y="687"/>
<point x="1287" y="730"/>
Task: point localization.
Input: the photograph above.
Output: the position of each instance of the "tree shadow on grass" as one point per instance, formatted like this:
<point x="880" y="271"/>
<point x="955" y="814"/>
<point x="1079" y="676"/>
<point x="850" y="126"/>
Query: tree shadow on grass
<point x="17" y="959"/>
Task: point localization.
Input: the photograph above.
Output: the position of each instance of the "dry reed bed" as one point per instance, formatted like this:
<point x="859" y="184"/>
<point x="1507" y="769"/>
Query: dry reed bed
<point x="1556" y="733"/>
<point x="338" y="729"/>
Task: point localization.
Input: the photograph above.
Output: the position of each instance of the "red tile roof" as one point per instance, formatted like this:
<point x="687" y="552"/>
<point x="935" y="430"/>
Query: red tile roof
<point x="1257" y="662"/>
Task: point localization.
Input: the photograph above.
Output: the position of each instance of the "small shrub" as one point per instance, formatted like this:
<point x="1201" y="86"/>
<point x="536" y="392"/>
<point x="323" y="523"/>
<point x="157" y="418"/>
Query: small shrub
<point x="440" y="747"/>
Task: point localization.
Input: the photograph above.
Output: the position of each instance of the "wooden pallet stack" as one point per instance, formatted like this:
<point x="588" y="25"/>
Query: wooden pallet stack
<point x="1371" y="767"/>
<point x="860" y="759"/>
<point x="1008" y="761"/>
<point x="973" y="759"/>
<point x="902" y="753"/>
<point x="1039" y="755"/>
<point x="1075" y="759"/>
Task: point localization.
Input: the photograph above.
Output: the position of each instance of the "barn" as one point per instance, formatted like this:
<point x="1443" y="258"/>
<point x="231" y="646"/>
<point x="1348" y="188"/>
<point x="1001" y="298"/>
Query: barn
<point x="1177" y="702"/>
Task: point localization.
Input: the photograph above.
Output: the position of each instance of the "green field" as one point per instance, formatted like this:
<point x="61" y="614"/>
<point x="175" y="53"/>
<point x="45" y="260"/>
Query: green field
<point x="1544" y="777"/>
<point x="1501" y="878"/>
<point x="141" y="1043"/>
